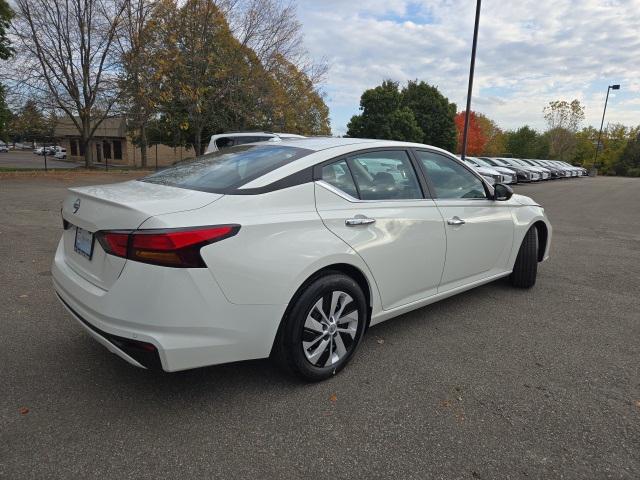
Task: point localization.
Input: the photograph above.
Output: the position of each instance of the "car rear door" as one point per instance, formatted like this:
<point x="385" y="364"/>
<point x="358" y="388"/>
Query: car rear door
<point x="374" y="201"/>
<point x="479" y="230"/>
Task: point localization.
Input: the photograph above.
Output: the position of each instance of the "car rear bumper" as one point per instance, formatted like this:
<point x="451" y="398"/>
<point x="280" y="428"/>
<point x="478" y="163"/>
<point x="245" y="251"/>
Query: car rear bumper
<point x="180" y="313"/>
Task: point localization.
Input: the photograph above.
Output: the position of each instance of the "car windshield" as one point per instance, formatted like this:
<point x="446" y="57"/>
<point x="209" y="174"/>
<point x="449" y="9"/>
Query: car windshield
<point x="482" y="162"/>
<point x="225" y="171"/>
<point x="493" y="162"/>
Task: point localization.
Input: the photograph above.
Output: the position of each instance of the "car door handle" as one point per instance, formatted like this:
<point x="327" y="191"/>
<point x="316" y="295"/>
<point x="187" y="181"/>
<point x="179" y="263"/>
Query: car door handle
<point x="359" y="220"/>
<point x="456" y="221"/>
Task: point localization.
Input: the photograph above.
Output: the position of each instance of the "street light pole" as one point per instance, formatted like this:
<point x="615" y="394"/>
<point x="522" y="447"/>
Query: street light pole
<point x="610" y="87"/>
<point x="465" y="132"/>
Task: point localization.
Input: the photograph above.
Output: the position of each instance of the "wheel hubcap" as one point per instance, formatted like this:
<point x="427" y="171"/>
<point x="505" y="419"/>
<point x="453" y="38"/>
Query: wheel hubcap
<point x="330" y="329"/>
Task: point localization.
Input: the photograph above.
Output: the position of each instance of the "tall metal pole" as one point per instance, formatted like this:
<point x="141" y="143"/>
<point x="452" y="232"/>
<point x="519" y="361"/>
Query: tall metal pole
<point x="595" y="157"/>
<point x="470" y="90"/>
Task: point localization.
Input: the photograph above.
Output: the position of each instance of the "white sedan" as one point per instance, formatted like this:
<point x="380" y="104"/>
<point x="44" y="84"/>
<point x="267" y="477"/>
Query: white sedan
<point x="291" y="249"/>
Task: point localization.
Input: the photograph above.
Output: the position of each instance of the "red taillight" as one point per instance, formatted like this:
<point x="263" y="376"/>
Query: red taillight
<point x="171" y="247"/>
<point x="114" y="243"/>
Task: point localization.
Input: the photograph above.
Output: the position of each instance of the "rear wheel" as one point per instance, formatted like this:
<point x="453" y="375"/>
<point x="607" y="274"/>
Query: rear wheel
<point x="525" y="269"/>
<point x="323" y="327"/>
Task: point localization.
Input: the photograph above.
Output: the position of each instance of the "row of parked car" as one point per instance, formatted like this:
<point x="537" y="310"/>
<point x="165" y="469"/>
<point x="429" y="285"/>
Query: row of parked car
<point x="52" y="151"/>
<point x="522" y="170"/>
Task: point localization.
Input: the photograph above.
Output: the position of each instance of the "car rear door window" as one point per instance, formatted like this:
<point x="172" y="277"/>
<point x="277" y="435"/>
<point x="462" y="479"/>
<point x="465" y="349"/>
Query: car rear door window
<point x="449" y="178"/>
<point x="385" y="175"/>
<point x="338" y="175"/>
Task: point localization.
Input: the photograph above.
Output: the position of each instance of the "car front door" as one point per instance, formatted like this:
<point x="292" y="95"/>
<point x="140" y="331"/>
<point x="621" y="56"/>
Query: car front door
<point x="374" y="202"/>
<point x="479" y="230"/>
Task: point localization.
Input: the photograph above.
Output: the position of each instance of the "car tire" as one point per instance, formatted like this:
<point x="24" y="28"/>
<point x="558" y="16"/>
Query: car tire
<point x="525" y="269"/>
<point x="322" y="327"/>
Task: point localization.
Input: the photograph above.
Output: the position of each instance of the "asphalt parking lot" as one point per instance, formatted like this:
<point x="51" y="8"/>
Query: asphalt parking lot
<point x="29" y="160"/>
<point x="494" y="383"/>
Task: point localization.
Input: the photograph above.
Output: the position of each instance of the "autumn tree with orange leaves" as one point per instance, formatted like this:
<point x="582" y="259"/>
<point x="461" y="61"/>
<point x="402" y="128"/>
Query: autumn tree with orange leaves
<point x="476" y="139"/>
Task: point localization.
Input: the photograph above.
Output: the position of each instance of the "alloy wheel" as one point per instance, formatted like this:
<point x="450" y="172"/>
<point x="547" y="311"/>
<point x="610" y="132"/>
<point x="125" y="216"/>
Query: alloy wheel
<point x="330" y="329"/>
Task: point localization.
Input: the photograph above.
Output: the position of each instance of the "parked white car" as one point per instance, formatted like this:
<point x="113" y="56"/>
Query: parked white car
<point x="290" y="249"/>
<point x="233" y="139"/>
<point x="535" y="173"/>
<point x="49" y="149"/>
<point x="491" y="175"/>
<point x="4" y="147"/>
<point x="508" y="176"/>
<point x="545" y="173"/>
<point x="61" y="154"/>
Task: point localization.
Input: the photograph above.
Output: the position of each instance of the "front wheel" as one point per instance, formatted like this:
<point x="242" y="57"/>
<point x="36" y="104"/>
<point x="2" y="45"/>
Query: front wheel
<point x="323" y="327"/>
<point x="525" y="269"/>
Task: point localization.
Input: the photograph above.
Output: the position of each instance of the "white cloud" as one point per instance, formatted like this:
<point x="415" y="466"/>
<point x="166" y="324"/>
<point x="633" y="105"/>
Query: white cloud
<point x="529" y="52"/>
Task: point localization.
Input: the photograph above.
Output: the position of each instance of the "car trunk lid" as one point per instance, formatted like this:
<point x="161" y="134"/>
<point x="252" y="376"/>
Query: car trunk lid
<point x="121" y="206"/>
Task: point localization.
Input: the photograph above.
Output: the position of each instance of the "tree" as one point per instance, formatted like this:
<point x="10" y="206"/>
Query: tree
<point x="495" y="144"/>
<point x="66" y="55"/>
<point x="629" y="161"/>
<point x="6" y="51"/>
<point x="29" y="124"/>
<point x="525" y="143"/>
<point x="417" y="113"/>
<point x="138" y="79"/>
<point x="563" y="120"/>
<point x="5" y="115"/>
<point x="614" y="140"/>
<point x="6" y="15"/>
<point x="383" y="116"/>
<point x="271" y="29"/>
<point x="584" y="151"/>
<point x="476" y="140"/>
<point x="202" y="66"/>
<point x="301" y="109"/>
<point x="433" y="113"/>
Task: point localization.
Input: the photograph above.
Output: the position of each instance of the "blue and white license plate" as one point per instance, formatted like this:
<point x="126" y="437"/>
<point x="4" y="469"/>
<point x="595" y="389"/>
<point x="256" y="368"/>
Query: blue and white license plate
<point x="84" y="243"/>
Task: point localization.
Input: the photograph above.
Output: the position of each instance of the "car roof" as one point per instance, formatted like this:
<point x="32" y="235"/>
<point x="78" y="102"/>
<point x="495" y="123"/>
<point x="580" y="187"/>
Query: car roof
<point x="253" y="134"/>
<point x="317" y="144"/>
<point x="326" y="148"/>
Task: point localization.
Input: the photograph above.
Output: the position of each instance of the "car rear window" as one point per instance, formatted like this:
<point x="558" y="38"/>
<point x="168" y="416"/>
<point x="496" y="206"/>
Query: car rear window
<point x="225" y="171"/>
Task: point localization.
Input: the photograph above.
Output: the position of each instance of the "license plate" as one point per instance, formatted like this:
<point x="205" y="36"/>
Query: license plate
<point x="84" y="243"/>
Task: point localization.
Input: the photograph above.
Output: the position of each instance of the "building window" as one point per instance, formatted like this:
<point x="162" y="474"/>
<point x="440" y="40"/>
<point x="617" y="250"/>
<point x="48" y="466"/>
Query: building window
<point x="117" y="150"/>
<point x="74" y="148"/>
<point x="81" y="148"/>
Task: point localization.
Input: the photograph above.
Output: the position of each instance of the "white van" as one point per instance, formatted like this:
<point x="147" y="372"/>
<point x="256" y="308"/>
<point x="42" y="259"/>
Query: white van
<point x="231" y="139"/>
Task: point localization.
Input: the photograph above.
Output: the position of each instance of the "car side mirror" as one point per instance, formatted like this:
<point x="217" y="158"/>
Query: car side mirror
<point x="502" y="192"/>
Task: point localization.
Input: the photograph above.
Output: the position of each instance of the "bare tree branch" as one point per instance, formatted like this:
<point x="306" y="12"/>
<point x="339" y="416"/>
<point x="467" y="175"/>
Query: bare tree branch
<point x="66" y="58"/>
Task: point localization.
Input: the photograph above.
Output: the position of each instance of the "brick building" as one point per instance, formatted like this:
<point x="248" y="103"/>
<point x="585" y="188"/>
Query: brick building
<point x="113" y="144"/>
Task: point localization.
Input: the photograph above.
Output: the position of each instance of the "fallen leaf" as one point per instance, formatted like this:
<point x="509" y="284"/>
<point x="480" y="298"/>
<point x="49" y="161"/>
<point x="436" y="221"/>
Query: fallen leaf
<point x="23" y="410"/>
<point x="333" y="398"/>
<point x="24" y="296"/>
<point x="380" y="341"/>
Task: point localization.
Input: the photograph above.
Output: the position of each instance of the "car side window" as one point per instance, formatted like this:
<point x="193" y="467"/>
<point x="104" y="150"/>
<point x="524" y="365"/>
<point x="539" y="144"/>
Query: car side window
<point x="385" y="175"/>
<point x="450" y="179"/>
<point x="224" y="142"/>
<point x="338" y="175"/>
<point x="243" y="140"/>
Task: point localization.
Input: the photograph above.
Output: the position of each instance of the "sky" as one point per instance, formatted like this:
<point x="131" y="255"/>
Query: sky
<point x="529" y="53"/>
